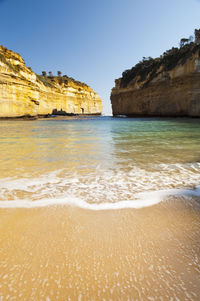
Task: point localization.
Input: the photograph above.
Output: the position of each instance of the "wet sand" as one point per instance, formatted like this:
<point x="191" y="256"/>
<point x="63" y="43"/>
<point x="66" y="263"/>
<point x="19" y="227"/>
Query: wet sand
<point x="76" y="250"/>
<point x="68" y="253"/>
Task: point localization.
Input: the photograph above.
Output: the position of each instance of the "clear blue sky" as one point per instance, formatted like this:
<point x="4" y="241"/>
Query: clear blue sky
<point x="94" y="41"/>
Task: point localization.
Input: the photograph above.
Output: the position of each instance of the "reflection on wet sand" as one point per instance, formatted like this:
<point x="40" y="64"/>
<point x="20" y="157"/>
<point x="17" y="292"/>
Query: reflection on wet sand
<point x="68" y="253"/>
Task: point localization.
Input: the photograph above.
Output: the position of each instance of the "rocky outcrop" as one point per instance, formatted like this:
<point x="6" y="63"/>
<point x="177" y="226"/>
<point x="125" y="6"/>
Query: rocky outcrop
<point x="24" y="93"/>
<point x="165" y="86"/>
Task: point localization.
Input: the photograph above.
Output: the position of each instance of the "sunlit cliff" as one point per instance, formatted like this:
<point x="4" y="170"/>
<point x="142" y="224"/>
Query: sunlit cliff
<point x="24" y="93"/>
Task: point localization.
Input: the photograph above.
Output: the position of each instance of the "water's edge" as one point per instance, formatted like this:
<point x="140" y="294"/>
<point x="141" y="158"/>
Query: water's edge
<point x="145" y="199"/>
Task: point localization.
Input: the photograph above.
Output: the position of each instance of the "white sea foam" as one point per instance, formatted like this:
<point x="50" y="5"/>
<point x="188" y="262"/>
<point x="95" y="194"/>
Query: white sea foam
<point x="142" y="200"/>
<point x="101" y="185"/>
<point x="101" y="189"/>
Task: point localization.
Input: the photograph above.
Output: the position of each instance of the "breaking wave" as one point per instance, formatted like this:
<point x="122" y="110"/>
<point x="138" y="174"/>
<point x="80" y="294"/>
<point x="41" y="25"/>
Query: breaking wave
<point x="102" y="189"/>
<point x="142" y="200"/>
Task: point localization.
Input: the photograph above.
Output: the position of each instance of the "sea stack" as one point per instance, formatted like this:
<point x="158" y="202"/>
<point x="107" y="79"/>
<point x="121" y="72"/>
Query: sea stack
<point x="165" y="86"/>
<point x="24" y="93"/>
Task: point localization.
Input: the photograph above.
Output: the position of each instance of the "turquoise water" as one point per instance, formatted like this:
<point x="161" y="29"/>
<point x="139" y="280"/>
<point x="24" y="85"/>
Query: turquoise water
<point x="63" y="235"/>
<point x="98" y="159"/>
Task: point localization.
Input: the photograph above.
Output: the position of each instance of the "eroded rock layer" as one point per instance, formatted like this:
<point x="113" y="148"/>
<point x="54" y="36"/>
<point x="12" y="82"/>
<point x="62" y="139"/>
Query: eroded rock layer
<point x="24" y="93"/>
<point x="165" y="86"/>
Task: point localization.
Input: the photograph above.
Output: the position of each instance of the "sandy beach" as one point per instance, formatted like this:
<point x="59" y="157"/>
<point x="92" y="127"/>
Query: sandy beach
<point x="68" y="253"/>
<point x="99" y="209"/>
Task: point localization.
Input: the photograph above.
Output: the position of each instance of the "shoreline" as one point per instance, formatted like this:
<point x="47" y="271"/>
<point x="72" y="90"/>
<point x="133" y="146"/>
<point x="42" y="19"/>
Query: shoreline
<point x="143" y="200"/>
<point x="85" y="116"/>
<point x="50" y="117"/>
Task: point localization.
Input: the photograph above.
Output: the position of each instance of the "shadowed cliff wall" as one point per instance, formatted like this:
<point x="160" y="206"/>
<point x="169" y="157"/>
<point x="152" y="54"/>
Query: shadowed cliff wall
<point x="166" y="86"/>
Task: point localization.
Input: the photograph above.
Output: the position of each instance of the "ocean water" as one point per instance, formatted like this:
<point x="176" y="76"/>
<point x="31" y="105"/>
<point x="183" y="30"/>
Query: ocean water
<point x="100" y="208"/>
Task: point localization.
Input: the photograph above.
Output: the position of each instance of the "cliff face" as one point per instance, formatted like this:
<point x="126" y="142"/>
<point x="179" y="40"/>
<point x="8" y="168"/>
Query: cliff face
<point x="24" y="93"/>
<point x="165" y="86"/>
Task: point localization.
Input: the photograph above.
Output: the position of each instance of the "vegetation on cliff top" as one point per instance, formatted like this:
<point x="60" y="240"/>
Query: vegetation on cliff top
<point x="6" y="56"/>
<point x="149" y="68"/>
<point x="61" y="80"/>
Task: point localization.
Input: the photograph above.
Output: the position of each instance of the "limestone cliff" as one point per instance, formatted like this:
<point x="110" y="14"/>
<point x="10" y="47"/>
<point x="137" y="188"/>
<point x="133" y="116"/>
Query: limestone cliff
<point x="165" y="86"/>
<point x="24" y="93"/>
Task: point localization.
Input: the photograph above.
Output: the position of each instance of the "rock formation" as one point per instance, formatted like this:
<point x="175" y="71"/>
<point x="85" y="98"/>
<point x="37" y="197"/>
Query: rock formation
<point x="164" y="86"/>
<point x="24" y="93"/>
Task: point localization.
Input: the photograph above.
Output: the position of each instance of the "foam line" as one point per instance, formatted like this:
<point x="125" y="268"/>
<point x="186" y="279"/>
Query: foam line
<point x="78" y="203"/>
<point x="145" y="199"/>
